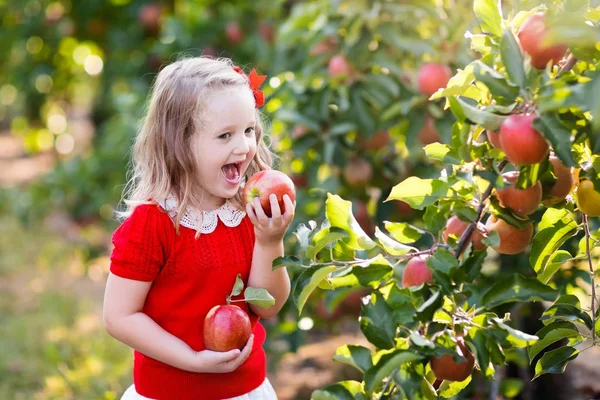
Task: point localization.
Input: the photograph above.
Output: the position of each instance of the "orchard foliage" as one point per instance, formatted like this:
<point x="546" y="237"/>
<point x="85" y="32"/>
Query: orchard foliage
<point x="438" y="309"/>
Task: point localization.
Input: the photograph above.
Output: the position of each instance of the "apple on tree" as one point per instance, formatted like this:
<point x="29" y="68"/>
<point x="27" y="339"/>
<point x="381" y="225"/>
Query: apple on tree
<point x="533" y="35"/>
<point x="521" y="142"/>
<point x="429" y="133"/>
<point x="456" y="227"/>
<point x="432" y="77"/>
<point x="446" y="368"/>
<point x="588" y="199"/>
<point x="521" y="201"/>
<point x="512" y="240"/>
<point x="565" y="182"/>
<point x="358" y="172"/>
<point x="263" y="183"/>
<point x="416" y="272"/>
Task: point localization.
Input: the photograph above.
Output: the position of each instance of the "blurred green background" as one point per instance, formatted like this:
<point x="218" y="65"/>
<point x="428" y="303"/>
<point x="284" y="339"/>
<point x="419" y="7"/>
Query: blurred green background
<point x="344" y="115"/>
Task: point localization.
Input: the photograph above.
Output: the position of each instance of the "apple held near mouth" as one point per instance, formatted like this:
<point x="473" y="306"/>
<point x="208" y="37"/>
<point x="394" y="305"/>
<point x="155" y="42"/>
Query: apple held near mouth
<point x="226" y="327"/>
<point x="263" y="183"/>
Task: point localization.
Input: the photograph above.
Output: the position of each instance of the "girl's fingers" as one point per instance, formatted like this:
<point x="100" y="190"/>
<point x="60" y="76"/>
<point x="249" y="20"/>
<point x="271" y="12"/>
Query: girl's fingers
<point x="260" y="213"/>
<point x="275" y="210"/>
<point x="226" y="356"/>
<point x="289" y="208"/>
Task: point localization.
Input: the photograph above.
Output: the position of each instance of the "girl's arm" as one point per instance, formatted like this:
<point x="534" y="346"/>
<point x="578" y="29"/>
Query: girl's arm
<point x="124" y="320"/>
<point x="268" y="246"/>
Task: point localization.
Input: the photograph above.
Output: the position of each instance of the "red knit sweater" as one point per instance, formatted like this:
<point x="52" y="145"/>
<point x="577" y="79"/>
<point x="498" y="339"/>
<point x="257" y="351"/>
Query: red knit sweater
<point x="188" y="278"/>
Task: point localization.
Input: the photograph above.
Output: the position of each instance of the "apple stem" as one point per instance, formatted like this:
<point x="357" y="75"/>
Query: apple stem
<point x="568" y="65"/>
<point x="589" y="257"/>
<point x="464" y="239"/>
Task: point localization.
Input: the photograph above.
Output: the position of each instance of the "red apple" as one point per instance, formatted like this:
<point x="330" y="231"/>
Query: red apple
<point x="521" y="201"/>
<point x="565" y="181"/>
<point x="266" y="32"/>
<point x="226" y="327"/>
<point x="532" y="34"/>
<point x="456" y="227"/>
<point x="494" y="138"/>
<point x="522" y="144"/>
<point x="339" y="66"/>
<point x="433" y="77"/>
<point x="429" y="133"/>
<point x="150" y="18"/>
<point x="324" y="46"/>
<point x="234" y="32"/>
<point x="358" y="172"/>
<point x="378" y="140"/>
<point x="263" y="183"/>
<point x="416" y="272"/>
<point x="447" y="369"/>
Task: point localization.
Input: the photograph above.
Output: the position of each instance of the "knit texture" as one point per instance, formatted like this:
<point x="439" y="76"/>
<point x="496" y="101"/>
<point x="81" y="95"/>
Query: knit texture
<point x="189" y="276"/>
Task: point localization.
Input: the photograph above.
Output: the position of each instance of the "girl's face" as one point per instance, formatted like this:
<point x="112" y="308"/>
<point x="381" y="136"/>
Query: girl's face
<point x="226" y="144"/>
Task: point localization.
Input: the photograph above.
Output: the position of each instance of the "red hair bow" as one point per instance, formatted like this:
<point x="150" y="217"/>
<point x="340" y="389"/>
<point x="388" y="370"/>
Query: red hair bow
<point x="254" y="80"/>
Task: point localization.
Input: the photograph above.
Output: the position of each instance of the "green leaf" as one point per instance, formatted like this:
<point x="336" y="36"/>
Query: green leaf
<point x="384" y="368"/>
<point x="512" y="58"/>
<point x="511" y="387"/>
<point x="391" y="246"/>
<point x="550" y="126"/>
<point x="323" y="238"/>
<point x="556" y="227"/>
<point x="419" y="193"/>
<point x="557" y="260"/>
<point x="489" y="14"/>
<point x="451" y="389"/>
<point x="339" y="214"/>
<point x="442" y="260"/>
<point x="371" y="272"/>
<point x="514" y="336"/>
<point x="555" y="361"/>
<point x="567" y="312"/>
<point x="550" y="334"/>
<point x="426" y="311"/>
<point x="259" y="297"/>
<point x="403" y="232"/>
<point x="497" y="84"/>
<point x="357" y="356"/>
<point x="345" y="390"/>
<point x="517" y="288"/>
<point x="238" y="286"/>
<point x="307" y="281"/>
<point x="287" y="261"/>
<point x="441" y="152"/>
<point x="377" y="322"/>
<point x="486" y="119"/>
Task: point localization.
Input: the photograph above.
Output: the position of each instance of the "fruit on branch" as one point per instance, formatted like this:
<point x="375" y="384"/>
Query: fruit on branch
<point x="494" y="139"/>
<point x="324" y="46"/>
<point x="456" y="227"/>
<point x="521" y="201"/>
<point x="358" y="172"/>
<point x="429" y="133"/>
<point x="588" y="199"/>
<point x="226" y="327"/>
<point x="339" y="66"/>
<point x="564" y="182"/>
<point x="521" y="142"/>
<point x="446" y="368"/>
<point x="377" y="141"/>
<point x="234" y="32"/>
<point x="512" y="239"/>
<point x="150" y="17"/>
<point x="416" y="272"/>
<point x="263" y="183"/>
<point x="266" y="31"/>
<point x="533" y="34"/>
<point x="433" y="76"/>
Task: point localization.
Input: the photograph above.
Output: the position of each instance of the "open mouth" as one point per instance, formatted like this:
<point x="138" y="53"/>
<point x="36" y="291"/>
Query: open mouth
<point x="232" y="174"/>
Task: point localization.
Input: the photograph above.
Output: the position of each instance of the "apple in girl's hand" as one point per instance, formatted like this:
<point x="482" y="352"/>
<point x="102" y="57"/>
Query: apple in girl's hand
<point x="226" y="327"/>
<point x="263" y="183"/>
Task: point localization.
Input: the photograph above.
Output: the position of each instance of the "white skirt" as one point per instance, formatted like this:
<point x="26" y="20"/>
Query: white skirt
<point x="264" y="392"/>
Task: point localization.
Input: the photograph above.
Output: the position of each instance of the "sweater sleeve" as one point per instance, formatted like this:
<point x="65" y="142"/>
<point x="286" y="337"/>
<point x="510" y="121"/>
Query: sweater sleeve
<point x="139" y="246"/>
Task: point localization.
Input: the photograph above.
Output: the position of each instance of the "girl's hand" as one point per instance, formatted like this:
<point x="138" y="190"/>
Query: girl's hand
<point x="270" y="231"/>
<point x="209" y="361"/>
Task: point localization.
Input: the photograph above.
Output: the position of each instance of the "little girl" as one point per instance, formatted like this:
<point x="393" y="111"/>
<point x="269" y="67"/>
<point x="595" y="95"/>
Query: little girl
<point x="186" y="236"/>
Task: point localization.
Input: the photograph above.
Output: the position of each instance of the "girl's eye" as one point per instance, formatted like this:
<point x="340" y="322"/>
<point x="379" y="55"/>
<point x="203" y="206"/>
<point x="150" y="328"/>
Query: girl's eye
<point x="250" y="131"/>
<point x="225" y="135"/>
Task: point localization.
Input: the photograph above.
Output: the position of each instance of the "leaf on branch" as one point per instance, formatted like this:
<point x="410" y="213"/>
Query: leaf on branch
<point x="258" y="297"/>
<point x="517" y="288"/>
<point x="555" y="361"/>
<point x="419" y="193"/>
<point x="489" y="15"/>
<point x="356" y="356"/>
<point x="550" y="334"/>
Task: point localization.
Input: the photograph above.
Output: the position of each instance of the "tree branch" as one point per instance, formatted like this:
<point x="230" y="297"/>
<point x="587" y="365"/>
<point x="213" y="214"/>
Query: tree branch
<point x="388" y="384"/>
<point x="464" y="239"/>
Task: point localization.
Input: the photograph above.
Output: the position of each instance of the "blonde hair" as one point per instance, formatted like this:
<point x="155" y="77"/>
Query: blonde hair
<point x="162" y="161"/>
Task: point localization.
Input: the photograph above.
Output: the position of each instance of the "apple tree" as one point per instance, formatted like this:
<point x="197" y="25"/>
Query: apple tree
<point x="517" y="178"/>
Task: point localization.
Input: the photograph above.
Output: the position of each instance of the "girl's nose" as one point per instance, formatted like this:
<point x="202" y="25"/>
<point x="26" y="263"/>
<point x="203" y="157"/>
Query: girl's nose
<point x="242" y="145"/>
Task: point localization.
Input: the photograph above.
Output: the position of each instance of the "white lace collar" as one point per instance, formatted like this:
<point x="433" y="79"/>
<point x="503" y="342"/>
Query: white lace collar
<point x="227" y="213"/>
